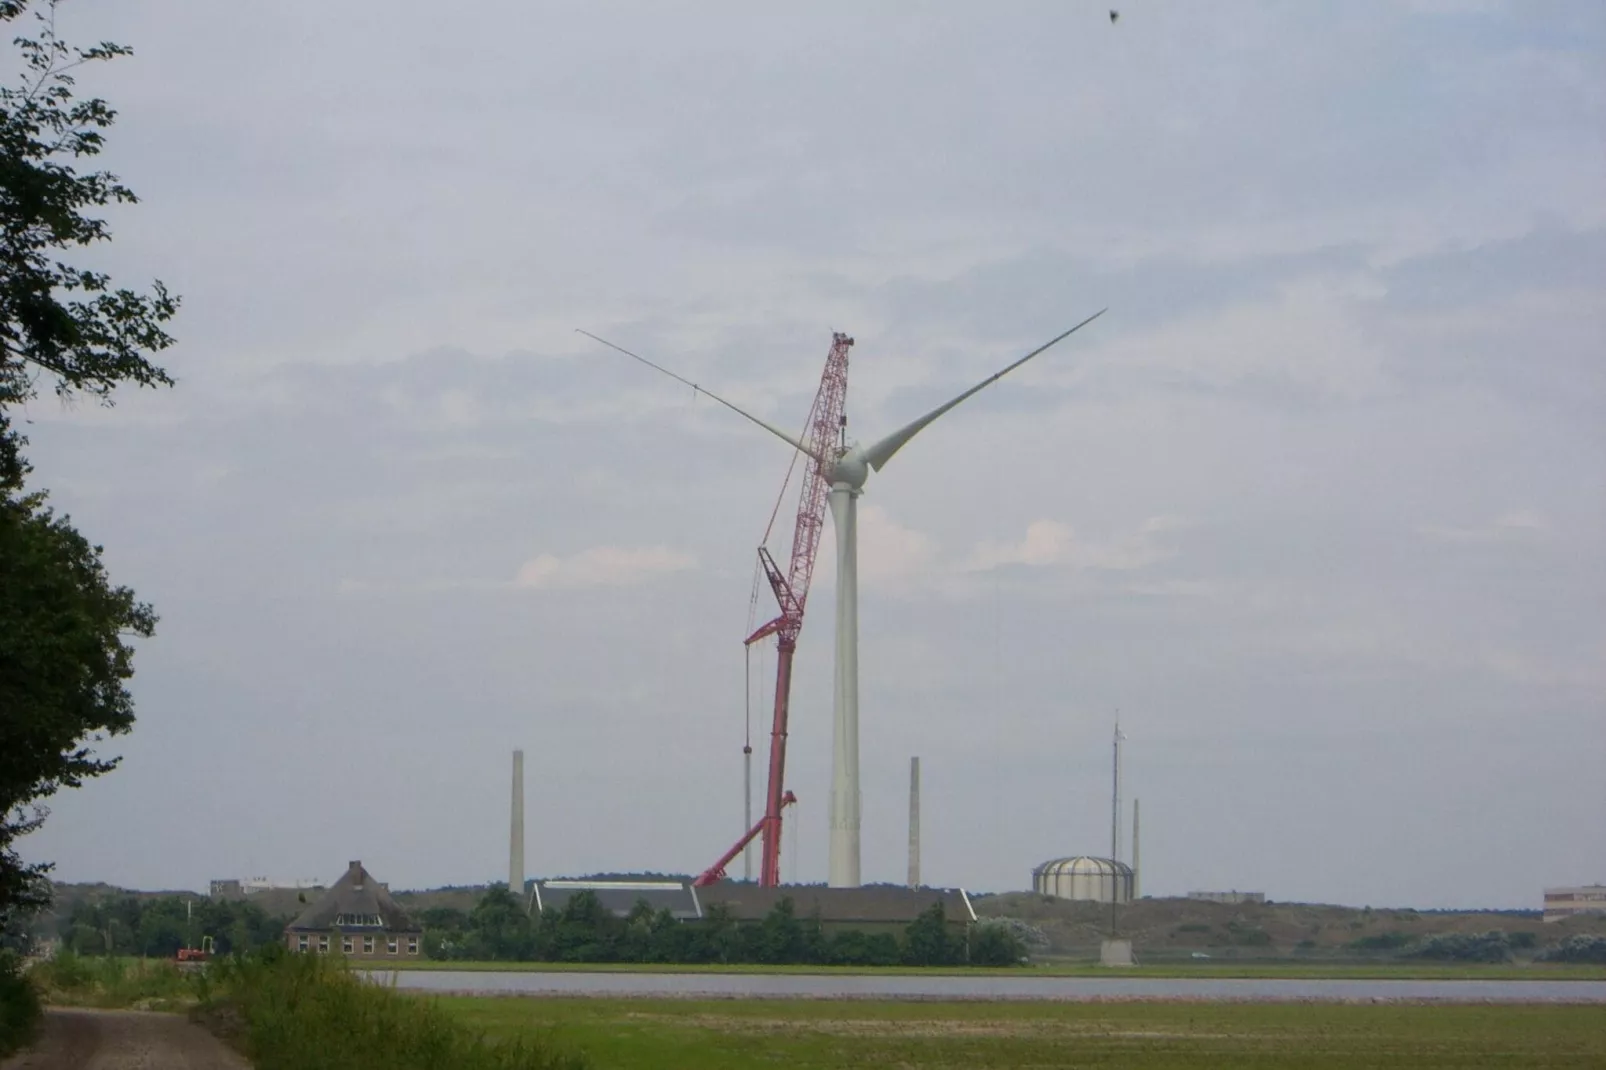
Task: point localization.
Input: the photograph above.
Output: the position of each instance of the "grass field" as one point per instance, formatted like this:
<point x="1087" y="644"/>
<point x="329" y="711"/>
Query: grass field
<point x="732" y="1034"/>
<point x="1403" y="971"/>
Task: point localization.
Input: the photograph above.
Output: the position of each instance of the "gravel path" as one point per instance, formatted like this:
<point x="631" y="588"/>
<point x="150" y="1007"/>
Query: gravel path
<point x="80" y="1039"/>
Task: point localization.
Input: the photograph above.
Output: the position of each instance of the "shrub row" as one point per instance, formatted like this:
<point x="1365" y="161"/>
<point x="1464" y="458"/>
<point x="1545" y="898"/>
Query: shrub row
<point x="309" y="1012"/>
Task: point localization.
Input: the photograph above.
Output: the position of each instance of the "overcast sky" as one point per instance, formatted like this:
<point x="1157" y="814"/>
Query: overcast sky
<point x="1319" y="505"/>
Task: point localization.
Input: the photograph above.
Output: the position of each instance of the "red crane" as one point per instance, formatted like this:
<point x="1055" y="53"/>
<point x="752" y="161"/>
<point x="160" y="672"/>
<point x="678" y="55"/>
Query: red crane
<point x="822" y="437"/>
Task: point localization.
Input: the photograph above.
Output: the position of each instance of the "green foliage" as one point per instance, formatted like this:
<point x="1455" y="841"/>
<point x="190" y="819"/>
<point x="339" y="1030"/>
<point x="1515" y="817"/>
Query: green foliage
<point x="1492" y="946"/>
<point x="108" y="981"/>
<point x="992" y="944"/>
<point x="158" y="927"/>
<point x="1581" y="948"/>
<point x="19" y="1004"/>
<point x="582" y="930"/>
<point x="926" y="940"/>
<point x="309" y="1012"/>
<point x="1392" y="940"/>
<point x="498" y="927"/>
<point x="63" y="661"/>
<point x="58" y="320"/>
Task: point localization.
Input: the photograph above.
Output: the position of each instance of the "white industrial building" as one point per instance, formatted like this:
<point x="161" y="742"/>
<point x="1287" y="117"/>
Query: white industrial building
<point x="1096" y="880"/>
<point x="1563" y="903"/>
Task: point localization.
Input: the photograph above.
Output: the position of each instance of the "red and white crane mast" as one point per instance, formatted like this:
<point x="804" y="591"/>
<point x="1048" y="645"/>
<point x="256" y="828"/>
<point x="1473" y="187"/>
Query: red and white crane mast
<point x="822" y="436"/>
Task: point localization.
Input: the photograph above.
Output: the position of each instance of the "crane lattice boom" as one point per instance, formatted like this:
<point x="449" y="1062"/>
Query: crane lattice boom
<point x="792" y="592"/>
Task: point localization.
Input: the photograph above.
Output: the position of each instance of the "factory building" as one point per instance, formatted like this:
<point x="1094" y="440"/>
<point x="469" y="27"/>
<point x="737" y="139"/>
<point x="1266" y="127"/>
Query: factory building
<point x="1233" y="897"/>
<point x="1563" y="903"/>
<point x="619" y="897"/>
<point x="1095" y="880"/>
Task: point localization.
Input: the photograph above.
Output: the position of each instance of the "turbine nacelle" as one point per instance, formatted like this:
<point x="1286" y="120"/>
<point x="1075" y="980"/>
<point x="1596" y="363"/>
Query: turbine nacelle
<point x="851" y="467"/>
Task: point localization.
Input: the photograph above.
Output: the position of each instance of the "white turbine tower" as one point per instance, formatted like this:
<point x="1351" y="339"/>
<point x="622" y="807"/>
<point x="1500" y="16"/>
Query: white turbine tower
<point x="850" y="469"/>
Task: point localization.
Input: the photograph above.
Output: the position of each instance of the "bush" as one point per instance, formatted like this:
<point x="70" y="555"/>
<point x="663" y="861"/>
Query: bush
<point x="19" y="1004"/>
<point x="113" y="982"/>
<point x="1492" y="946"/>
<point x="994" y="944"/>
<point x="1580" y="948"/>
<point x="310" y="1012"/>
<point x="1392" y="940"/>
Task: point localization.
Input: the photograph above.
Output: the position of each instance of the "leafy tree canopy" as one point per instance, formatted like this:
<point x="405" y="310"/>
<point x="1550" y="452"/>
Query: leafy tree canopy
<point x="64" y="664"/>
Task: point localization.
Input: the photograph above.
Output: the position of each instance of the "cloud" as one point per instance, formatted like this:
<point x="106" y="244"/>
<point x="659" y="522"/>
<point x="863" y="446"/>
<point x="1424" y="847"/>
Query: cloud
<point x="1051" y="543"/>
<point x="600" y="566"/>
<point x="1521" y="525"/>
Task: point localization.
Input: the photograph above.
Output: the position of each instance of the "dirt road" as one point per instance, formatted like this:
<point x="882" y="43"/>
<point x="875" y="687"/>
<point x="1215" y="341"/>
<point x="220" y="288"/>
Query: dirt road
<point x="77" y="1039"/>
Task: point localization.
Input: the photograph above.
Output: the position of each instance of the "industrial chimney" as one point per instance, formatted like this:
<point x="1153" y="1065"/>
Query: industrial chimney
<point x="914" y="822"/>
<point x="515" y="854"/>
<point x="1137" y="873"/>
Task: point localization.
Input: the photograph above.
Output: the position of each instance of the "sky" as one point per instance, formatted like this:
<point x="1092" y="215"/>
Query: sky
<point x="1318" y="505"/>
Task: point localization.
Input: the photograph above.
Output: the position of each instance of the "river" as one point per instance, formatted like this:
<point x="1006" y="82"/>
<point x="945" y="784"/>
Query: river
<point x="986" y="987"/>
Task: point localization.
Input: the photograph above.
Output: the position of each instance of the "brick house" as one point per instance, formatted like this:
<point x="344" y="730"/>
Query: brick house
<point x="357" y="918"/>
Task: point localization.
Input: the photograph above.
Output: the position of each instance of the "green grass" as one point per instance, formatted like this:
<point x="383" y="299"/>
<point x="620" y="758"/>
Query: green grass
<point x="309" y="1012"/>
<point x="1402" y="971"/>
<point x="638" y="1034"/>
<point x="91" y="981"/>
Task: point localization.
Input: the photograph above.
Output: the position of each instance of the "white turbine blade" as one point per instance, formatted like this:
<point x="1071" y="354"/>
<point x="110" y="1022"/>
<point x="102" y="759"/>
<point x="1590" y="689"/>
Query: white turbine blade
<point x="776" y="431"/>
<point x="880" y="453"/>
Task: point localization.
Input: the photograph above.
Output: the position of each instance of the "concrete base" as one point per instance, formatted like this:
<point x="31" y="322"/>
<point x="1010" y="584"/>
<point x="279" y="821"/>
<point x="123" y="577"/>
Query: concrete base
<point x="1116" y="953"/>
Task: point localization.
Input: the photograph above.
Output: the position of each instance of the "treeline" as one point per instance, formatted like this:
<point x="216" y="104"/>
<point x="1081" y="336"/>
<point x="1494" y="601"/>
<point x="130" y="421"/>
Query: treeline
<point x="158" y="927"/>
<point x="583" y="930"/>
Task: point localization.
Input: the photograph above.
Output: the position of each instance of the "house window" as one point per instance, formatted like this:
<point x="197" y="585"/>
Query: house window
<point x="301" y="942"/>
<point x="347" y="945"/>
<point x="412" y="945"/>
<point x="367" y="945"/>
<point x="390" y="945"/>
<point x="323" y="945"/>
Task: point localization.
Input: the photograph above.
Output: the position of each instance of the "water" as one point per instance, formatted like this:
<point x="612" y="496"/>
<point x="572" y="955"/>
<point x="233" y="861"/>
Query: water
<point x="852" y="986"/>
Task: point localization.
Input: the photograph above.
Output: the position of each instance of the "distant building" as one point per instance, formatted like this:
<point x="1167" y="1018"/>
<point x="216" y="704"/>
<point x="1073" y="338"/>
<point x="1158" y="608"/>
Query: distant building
<point x="869" y="909"/>
<point x="1228" y="897"/>
<point x="1563" y="903"/>
<point x="356" y="917"/>
<point x="242" y="887"/>
<point x="620" y="897"/>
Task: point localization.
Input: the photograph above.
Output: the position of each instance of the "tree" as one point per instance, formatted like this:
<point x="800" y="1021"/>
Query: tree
<point x="55" y="319"/>
<point x="926" y="941"/>
<point x="63" y="660"/>
<point x="993" y="944"/>
<point x="499" y="928"/>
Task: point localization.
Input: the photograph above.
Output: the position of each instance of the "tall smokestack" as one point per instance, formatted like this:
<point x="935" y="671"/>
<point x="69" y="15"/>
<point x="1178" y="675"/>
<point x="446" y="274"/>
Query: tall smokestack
<point x="1115" y="794"/>
<point x="1137" y="874"/>
<point x="914" y="822"/>
<point x="515" y="853"/>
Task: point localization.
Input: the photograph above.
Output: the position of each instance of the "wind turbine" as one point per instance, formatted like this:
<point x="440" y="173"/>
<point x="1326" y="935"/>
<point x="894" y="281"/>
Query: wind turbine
<point x="850" y="468"/>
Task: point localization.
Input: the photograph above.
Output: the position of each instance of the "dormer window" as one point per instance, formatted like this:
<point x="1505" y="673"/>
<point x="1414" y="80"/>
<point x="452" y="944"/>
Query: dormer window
<point x="359" y="921"/>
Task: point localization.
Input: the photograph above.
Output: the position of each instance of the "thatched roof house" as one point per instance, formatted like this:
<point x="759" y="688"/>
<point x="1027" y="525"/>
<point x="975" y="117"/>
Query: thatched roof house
<point x="357" y="917"/>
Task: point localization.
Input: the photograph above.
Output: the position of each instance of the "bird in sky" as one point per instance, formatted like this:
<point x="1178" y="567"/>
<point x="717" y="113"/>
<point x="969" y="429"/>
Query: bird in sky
<point x="1114" y="16"/>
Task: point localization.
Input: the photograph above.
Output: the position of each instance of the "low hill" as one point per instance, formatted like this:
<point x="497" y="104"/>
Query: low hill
<point x="1184" y="928"/>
